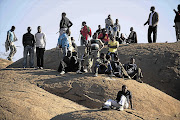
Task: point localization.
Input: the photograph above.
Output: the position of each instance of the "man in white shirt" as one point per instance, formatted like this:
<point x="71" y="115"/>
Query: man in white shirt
<point x="152" y="22"/>
<point x="40" y="47"/>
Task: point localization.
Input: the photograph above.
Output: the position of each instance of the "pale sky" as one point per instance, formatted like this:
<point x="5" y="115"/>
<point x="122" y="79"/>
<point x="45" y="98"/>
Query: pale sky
<point x="47" y="13"/>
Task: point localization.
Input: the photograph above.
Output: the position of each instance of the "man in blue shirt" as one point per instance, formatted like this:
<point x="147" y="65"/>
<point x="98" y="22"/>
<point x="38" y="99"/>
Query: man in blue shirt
<point x="63" y="42"/>
<point x="11" y="38"/>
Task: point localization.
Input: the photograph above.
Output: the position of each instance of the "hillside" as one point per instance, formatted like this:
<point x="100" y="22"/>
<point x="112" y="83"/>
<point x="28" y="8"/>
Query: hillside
<point x="160" y="63"/>
<point x="4" y="63"/>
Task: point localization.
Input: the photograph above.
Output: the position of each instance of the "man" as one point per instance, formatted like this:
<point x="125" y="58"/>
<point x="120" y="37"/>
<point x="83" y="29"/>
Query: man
<point x="69" y="64"/>
<point x="177" y="23"/>
<point x="116" y="29"/>
<point x="9" y="44"/>
<point x="122" y="39"/>
<point x="75" y="48"/>
<point x="132" y="36"/>
<point x="64" y="42"/>
<point x="85" y="33"/>
<point x="40" y="47"/>
<point x="95" y="46"/>
<point x="104" y="37"/>
<point x="113" y="45"/>
<point x="116" y="66"/>
<point x="108" y="22"/>
<point x="123" y="99"/>
<point x="65" y="24"/>
<point x="99" y="30"/>
<point x="152" y="22"/>
<point x="133" y="71"/>
<point x="103" y="66"/>
<point x="28" y="43"/>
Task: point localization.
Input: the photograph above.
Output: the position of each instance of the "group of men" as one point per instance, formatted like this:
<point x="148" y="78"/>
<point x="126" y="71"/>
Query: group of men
<point x="92" y="60"/>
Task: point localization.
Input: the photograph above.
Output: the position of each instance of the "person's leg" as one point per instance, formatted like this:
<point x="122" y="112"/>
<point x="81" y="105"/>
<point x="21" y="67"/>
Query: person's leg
<point x="14" y="50"/>
<point x="149" y="34"/>
<point x="123" y="103"/>
<point x="11" y="52"/>
<point x="25" y="56"/>
<point x="64" y="51"/>
<point x="38" y="56"/>
<point x="42" y="57"/>
<point x="31" y="53"/>
<point x="154" y="34"/>
<point x="177" y="28"/>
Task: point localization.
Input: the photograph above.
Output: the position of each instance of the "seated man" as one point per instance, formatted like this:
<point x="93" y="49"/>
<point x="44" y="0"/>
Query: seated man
<point x="113" y="45"/>
<point x="69" y="64"/>
<point x="133" y="71"/>
<point x="116" y="66"/>
<point x="104" y="37"/>
<point x="132" y="37"/>
<point x="122" y="101"/>
<point x="103" y="66"/>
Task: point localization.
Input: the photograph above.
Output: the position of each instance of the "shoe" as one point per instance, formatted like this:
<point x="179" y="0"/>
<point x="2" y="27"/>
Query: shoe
<point x="78" y="72"/>
<point x="40" y="67"/>
<point x="62" y="72"/>
<point x="8" y="58"/>
<point x="96" y="74"/>
<point x="111" y="75"/>
<point x="120" y="108"/>
<point x="85" y="70"/>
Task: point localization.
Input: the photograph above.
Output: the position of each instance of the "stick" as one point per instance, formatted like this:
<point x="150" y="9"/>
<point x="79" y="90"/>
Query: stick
<point x="124" y="71"/>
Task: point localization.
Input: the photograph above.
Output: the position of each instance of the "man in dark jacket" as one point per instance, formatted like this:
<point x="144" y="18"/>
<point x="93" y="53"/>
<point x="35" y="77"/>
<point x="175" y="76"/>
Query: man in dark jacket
<point x="177" y="22"/>
<point x="132" y="36"/>
<point x="28" y="43"/>
<point x="122" y="101"/>
<point x="152" y="22"/>
<point x="65" y="24"/>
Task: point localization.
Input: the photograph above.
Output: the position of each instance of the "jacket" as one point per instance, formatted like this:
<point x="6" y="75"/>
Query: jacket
<point x="65" y="23"/>
<point x="63" y="40"/>
<point x="85" y="32"/>
<point x="155" y="19"/>
<point x="177" y="17"/>
<point x="28" y="39"/>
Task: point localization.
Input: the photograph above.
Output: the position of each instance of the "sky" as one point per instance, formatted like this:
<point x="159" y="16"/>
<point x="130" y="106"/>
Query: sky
<point x="47" y="14"/>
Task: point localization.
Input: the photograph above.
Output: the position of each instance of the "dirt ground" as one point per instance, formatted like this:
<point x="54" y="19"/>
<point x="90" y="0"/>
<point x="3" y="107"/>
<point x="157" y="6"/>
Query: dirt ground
<point x="44" y="94"/>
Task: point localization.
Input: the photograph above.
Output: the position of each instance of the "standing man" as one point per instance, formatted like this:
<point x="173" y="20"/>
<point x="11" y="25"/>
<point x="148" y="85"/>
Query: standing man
<point x="116" y="29"/>
<point x="85" y="33"/>
<point x="177" y="23"/>
<point x="132" y="36"/>
<point x="9" y="44"/>
<point x="40" y="47"/>
<point x="152" y="22"/>
<point x="65" y="24"/>
<point x="108" y="22"/>
<point x="28" y="43"/>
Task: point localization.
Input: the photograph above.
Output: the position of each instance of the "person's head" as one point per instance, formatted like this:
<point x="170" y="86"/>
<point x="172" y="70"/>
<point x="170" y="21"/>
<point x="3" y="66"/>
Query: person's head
<point x="132" y="61"/>
<point x="83" y="23"/>
<point x="108" y="57"/>
<point x="69" y="54"/>
<point x="112" y="38"/>
<point x="39" y="29"/>
<point x="99" y="26"/>
<point x="29" y="29"/>
<point x="104" y="30"/>
<point x="152" y="9"/>
<point x="13" y="28"/>
<point x="178" y="7"/>
<point x="124" y="88"/>
<point x="131" y="29"/>
<point x="116" y="58"/>
<point x="109" y="16"/>
<point x="117" y="20"/>
<point x="95" y="36"/>
<point x="102" y="55"/>
<point x="122" y="35"/>
<point x="63" y="14"/>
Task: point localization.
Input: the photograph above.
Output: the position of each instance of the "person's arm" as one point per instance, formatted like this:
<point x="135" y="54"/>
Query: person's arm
<point x="23" y="42"/>
<point x="157" y="19"/>
<point x="44" y="38"/>
<point x="102" y="45"/>
<point x="131" y="103"/>
<point x="70" y="24"/>
<point x="146" y="21"/>
<point x="33" y="40"/>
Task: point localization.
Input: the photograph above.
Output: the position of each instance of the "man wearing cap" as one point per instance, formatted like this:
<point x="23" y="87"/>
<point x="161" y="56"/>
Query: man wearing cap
<point x="152" y="22"/>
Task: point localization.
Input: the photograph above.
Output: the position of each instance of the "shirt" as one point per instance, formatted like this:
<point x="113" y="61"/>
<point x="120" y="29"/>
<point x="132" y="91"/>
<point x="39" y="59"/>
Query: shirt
<point x="63" y="40"/>
<point x="150" y="20"/>
<point x="113" y="43"/>
<point x="128" y="95"/>
<point x="40" y="40"/>
<point x="11" y="36"/>
<point x="28" y="39"/>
